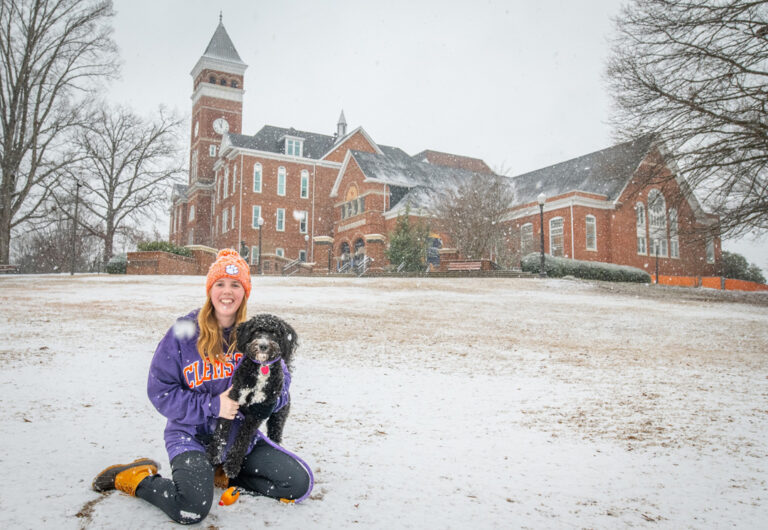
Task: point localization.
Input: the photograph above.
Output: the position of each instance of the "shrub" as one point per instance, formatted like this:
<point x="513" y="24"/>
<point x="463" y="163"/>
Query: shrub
<point x="164" y="246"/>
<point x="117" y="264"/>
<point x="591" y="270"/>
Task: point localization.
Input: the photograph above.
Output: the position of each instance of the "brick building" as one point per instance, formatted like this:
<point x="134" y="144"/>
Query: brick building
<point x="328" y="199"/>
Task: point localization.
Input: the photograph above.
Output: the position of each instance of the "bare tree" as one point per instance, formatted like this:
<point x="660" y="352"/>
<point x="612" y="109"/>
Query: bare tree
<point x="51" y="51"/>
<point x="127" y="167"/>
<point x="472" y="214"/>
<point x="695" y="72"/>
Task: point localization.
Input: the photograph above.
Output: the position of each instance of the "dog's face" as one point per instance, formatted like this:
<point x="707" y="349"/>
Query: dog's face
<point x="263" y="347"/>
<point x="265" y="337"/>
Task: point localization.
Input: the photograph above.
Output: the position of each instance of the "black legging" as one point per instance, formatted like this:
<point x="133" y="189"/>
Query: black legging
<point x="187" y="498"/>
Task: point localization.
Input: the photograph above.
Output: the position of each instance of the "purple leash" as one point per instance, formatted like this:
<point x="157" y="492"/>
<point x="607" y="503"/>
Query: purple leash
<point x="273" y="444"/>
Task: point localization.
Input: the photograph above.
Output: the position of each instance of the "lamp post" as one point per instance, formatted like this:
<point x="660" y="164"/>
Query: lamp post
<point x="306" y="243"/>
<point x="74" y="229"/>
<point x="261" y="222"/>
<point x="542" y="199"/>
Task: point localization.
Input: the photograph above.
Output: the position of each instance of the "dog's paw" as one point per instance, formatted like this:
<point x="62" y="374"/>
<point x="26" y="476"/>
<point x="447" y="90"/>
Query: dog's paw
<point x="231" y="469"/>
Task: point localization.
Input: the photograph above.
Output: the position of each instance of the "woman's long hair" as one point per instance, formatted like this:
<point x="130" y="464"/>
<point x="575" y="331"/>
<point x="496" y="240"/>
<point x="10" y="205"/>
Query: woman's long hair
<point x="211" y="339"/>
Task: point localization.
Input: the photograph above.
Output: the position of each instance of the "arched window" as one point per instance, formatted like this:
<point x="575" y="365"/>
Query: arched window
<point x="212" y="79"/>
<point x="281" y="181"/>
<point x="304" y="184"/>
<point x="556" y="243"/>
<point x="591" y="231"/>
<point x="642" y="248"/>
<point x="526" y="239"/>
<point x="233" y="84"/>
<point x="223" y="82"/>
<point x="657" y="221"/>
<point x="257" y="177"/>
<point x="226" y="182"/>
<point x="674" y="242"/>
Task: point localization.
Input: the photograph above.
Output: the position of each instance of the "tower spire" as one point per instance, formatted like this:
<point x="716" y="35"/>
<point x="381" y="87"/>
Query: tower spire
<point x="221" y="15"/>
<point x="341" y="126"/>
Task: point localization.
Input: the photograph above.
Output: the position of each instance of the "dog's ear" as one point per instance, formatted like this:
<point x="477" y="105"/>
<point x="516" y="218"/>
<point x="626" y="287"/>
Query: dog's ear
<point x="289" y="341"/>
<point x="244" y="332"/>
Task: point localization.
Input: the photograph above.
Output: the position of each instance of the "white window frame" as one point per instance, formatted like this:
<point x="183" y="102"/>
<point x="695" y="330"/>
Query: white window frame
<point x="552" y="235"/>
<point x="640" y="222"/>
<point x="281" y="177"/>
<point x="303" y="256"/>
<point x="233" y="216"/>
<point x="303" y="218"/>
<point x="280" y="220"/>
<point x="657" y="222"/>
<point x="192" y="212"/>
<point x="523" y="246"/>
<point x="294" y="146"/>
<point x="255" y="254"/>
<point x="710" y="250"/>
<point x="224" y="220"/>
<point x="234" y="180"/>
<point x="279" y="252"/>
<point x="304" y="194"/>
<point x="256" y="213"/>
<point x="674" y="240"/>
<point x="257" y="170"/>
<point x="226" y="182"/>
<point x="212" y="151"/>
<point x="590" y="220"/>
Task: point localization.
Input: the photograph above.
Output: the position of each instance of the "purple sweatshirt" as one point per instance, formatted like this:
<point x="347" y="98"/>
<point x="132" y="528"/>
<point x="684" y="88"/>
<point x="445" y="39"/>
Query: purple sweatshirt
<point x="186" y="390"/>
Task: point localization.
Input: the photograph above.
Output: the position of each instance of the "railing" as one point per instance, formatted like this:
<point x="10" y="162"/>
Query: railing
<point x="401" y="266"/>
<point x="345" y="268"/>
<point x="291" y="267"/>
<point x="362" y="266"/>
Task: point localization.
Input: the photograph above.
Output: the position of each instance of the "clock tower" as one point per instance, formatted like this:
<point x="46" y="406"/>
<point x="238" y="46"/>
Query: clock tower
<point x="217" y="109"/>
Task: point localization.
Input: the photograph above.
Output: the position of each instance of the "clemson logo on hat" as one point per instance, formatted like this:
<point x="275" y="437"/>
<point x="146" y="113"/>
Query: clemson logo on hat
<point x="232" y="270"/>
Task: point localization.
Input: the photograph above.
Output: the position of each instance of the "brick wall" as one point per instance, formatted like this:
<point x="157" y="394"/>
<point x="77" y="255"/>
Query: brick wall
<point x="160" y="263"/>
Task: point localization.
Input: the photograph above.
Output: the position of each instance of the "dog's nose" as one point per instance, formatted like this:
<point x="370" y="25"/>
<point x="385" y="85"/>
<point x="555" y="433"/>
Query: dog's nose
<point x="262" y="347"/>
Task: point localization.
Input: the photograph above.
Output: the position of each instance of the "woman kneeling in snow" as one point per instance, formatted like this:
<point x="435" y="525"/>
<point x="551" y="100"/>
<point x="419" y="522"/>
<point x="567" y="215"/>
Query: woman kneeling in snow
<point x="189" y="381"/>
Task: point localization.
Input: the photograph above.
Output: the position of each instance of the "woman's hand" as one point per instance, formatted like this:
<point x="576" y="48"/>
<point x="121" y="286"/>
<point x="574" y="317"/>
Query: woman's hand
<point x="227" y="407"/>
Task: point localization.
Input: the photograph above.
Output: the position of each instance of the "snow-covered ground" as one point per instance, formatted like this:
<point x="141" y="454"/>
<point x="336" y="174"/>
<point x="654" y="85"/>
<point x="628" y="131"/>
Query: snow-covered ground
<point x="471" y="403"/>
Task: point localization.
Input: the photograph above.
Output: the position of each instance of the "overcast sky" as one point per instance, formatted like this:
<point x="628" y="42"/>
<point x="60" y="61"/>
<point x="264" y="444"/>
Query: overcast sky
<point x="516" y="83"/>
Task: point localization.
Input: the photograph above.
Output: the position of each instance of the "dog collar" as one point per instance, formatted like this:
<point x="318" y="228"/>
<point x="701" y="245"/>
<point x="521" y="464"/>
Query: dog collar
<point x="264" y="367"/>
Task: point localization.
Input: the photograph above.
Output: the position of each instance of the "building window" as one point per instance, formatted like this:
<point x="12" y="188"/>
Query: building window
<point x="224" y="225"/>
<point x="302" y="217"/>
<point x="281" y="181"/>
<point x="223" y="82"/>
<point x="255" y="217"/>
<point x="674" y="242"/>
<point x="226" y="182"/>
<point x="192" y="212"/>
<point x="255" y="254"/>
<point x="640" y="212"/>
<point x="304" y="183"/>
<point x="280" y="220"/>
<point x="556" y="243"/>
<point x="591" y="226"/>
<point x="212" y="151"/>
<point x="293" y="147"/>
<point x="657" y="221"/>
<point x="257" y="178"/>
<point x="710" y="250"/>
<point x="234" y="179"/>
<point x="233" y="84"/>
<point x="352" y="208"/>
<point x="302" y="255"/>
<point x="280" y="252"/>
<point x="193" y="169"/>
<point x="526" y="239"/>
<point x="233" y="216"/>
<point x="212" y="79"/>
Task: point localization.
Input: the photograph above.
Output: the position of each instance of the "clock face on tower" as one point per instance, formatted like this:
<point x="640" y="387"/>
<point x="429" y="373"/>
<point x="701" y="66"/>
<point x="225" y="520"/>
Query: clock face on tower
<point x="220" y="125"/>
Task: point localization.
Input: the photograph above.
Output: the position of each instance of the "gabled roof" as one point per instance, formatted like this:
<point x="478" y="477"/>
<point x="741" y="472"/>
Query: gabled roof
<point x="268" y="139"/>
<point x="221" y="47"/>
<point x="448" y="159"/>
<point x="605" y="172"/>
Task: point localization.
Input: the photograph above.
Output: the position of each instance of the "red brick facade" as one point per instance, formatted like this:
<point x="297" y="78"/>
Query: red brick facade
<point x="324" y="209"/>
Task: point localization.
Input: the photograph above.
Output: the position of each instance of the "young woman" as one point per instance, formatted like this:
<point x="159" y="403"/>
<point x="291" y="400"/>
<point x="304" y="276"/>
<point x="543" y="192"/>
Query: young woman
<point x="189" y="380"/>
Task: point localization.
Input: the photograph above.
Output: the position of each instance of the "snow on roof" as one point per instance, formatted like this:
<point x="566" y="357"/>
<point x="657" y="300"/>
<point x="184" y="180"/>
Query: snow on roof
<point x="269" y="139"/>
<point x="221" y="46"/>
<point x="603" y="172"/>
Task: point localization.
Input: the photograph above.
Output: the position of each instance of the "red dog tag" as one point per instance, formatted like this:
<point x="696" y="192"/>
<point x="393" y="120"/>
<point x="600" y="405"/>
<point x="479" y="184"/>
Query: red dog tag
<point x="265" y="370"/>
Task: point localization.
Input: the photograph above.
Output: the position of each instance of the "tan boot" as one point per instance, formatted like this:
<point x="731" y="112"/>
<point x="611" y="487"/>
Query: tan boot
<point x="220" y="479"/>
<point x="127" y="481"/>
<point x="105" y="480"/>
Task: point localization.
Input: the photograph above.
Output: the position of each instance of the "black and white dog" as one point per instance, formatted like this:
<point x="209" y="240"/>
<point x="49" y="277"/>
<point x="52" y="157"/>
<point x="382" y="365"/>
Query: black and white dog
<point x="256" y="386"/>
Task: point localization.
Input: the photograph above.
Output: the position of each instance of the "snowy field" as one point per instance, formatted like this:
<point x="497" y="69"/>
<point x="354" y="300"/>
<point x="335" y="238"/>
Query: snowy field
<point x="497" y="403"/>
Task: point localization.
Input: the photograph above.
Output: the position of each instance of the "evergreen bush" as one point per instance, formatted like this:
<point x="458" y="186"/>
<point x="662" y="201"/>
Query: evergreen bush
<point x="590" y="270"/>
<point x="164" y="246"/>
<point x="117" y="264"/>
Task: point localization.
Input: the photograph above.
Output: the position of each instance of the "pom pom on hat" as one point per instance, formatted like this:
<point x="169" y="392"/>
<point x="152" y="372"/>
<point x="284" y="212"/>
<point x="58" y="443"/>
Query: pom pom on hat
<point x="229" y="264"/>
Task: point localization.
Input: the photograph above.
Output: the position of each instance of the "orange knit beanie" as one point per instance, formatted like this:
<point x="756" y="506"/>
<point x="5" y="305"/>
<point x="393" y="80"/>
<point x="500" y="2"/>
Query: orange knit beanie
<point x="229" y="264"/>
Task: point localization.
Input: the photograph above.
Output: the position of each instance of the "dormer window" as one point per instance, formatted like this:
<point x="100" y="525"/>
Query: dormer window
<point x="293" y="146"/>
